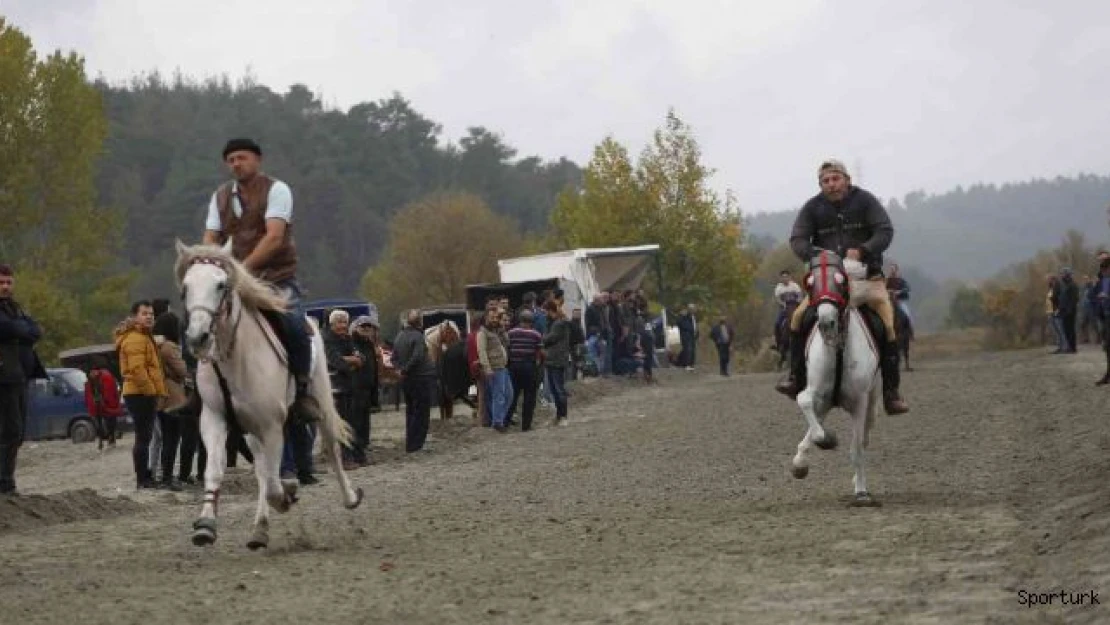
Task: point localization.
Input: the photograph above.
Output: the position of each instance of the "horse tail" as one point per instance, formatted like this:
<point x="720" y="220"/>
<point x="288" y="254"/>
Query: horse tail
<point x="333" y="428"/>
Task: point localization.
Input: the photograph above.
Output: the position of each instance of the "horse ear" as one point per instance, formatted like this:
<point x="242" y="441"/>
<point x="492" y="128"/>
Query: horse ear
<point x="227" y="246"/>
<point x="179" y="246"/>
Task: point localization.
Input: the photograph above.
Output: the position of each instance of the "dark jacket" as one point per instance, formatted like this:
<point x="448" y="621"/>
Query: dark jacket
<point x="900" y="287"/>
<point x="1068" y="298"/>
<point x="342" y="372"/>
<point x="857" y="221"/>
<point x="365" y="379"/>
<point x="556" y="344"/>
<point x="722" y="340"/>
<point x="410" y="354"/>
<point x="597" y="316"/>
<point x="685" y="325"/>
<point x="18" y="335"/>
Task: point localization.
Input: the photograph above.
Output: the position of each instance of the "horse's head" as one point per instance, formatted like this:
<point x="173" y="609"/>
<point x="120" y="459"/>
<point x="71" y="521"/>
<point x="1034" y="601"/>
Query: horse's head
<point x="205" y="278"/>
<point x="829" y="290"/>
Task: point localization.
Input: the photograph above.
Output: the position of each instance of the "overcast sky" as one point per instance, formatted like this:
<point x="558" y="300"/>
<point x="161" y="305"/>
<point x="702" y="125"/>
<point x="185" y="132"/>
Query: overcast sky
<point x="923" y="94"/>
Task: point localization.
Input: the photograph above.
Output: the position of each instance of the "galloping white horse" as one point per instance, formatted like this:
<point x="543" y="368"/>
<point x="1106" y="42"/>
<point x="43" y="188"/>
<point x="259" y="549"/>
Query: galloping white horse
<point x="835" y="288"/>
<point x="227" y="330"/>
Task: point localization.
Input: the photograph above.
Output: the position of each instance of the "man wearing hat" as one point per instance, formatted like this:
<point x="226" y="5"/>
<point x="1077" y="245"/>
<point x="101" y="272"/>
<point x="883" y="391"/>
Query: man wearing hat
<point x="851" y="222"/>
<point x="256" y="211"/>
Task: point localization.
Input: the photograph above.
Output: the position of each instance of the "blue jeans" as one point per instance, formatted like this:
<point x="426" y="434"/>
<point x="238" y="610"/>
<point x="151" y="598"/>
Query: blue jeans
<point x="1058" y="326"/>
<point x="904" y="305"/>
<point x="499" y="396"/>
<point x="557" y="375"/>
<point x="297" y="342"/>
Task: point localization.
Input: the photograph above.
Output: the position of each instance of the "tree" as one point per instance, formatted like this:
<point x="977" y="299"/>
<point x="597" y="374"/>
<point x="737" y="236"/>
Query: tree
<point x="966" y="309"/>
<point x="437" y="246"/>
<point x="664" y="199"/>
<point x="63" y="245"/>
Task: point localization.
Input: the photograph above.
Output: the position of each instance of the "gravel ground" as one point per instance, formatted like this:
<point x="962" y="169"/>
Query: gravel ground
<point x="664" y="504"/>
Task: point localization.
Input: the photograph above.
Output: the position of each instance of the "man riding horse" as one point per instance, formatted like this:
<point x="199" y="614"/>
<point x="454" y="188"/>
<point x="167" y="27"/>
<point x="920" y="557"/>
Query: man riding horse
<point x="850" y="221"/>
<point x="256" y="212"/>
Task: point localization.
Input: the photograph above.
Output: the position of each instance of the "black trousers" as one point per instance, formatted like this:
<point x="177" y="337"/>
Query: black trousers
<point x="1068" y="322"/>
<point x="144" y="410"/>
<point x="724" y="356"/>
<point x="525" y="382"/>
<point x="171" y="423"/>
<point x="191" y="448"/>
<point x="418" y="410"/>
<point x="345" y="406"/>
<point x="13" y="422"/>
<point x="361" y="401"/>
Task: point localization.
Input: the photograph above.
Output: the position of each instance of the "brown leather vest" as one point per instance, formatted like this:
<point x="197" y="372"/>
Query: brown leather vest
<point x="248" y="229"/>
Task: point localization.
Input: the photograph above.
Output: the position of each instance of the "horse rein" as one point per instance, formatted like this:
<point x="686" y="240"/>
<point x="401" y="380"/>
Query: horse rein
<point x="222" y="312"/>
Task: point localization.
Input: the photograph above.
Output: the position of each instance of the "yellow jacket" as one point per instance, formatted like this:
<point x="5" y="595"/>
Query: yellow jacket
<point x="139" y="362"/>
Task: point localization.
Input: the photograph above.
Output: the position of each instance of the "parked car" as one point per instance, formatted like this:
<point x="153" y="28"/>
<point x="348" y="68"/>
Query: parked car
<point x="56" y="408"/>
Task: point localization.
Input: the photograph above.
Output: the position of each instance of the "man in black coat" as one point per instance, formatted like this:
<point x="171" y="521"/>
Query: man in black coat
<point x="18" y="365"/>
<point x="1068" y="302"/>
<point x="849" y="221"/>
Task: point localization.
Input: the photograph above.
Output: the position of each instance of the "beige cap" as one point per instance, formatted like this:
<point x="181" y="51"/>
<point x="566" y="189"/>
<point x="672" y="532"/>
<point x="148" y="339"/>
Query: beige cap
<point x="831" y="164"/>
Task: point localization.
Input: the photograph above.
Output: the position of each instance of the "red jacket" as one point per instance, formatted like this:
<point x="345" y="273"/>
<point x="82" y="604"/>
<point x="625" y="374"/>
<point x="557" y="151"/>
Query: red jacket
<point x="472" y="354"/>
<point x="109" y="404"/>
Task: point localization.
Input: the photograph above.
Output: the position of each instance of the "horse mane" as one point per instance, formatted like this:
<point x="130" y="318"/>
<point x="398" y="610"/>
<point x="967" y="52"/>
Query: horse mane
<point x="253" y="292"/>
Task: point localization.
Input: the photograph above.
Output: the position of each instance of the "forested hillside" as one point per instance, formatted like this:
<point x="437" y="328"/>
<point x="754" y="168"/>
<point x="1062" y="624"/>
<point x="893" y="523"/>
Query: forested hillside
<point x="350" y="171"/>
<point x="973" y="233"/>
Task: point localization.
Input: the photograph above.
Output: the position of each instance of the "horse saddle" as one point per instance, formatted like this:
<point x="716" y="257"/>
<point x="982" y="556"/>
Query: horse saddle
<point x="277" y="333"/>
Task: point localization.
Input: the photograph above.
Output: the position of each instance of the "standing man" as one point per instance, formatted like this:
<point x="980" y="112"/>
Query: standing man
<point x="18" y="364"/>
<point x="256" y="212"/>
<point x="525" y="358"/>
<point x="1102" y="298"/>
<point x="1068" y="308"/>
<point x="493" y="359"/>
<point x="688" y="334"/>
<point x="418" y="380"/>
<point x="144" y="383"/>
<point x="850" y="221"/>
<point x="722" y="338"/>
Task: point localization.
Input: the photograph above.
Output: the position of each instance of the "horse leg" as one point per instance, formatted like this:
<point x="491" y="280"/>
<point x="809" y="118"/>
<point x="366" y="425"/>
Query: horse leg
<point x="863" y="417"/>
<point x="213" y="430"/>
<point x="260" y="531"/>
<point x="815" y="410"/>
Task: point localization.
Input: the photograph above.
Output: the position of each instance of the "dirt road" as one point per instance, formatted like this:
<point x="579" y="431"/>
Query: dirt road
<point x="672" y="504"/>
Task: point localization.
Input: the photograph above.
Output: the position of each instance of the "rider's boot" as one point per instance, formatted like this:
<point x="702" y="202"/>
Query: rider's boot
<point x="796" y="380"/>
<point x="305" y="407"/>
<point x="892" y="379"/>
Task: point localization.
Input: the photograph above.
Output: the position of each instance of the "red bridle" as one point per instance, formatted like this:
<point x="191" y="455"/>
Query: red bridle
<point x="828" y="283"/>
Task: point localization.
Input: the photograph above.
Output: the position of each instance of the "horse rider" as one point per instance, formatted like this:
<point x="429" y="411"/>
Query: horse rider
<point x="786" y="292"/>
<point x="256" y="212"/>
<point x="850" y="221"/>
<point x="899" y="291"/>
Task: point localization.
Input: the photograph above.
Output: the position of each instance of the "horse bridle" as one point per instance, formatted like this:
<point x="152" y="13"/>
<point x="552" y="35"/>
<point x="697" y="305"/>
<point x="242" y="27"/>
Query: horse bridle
<point x="222" y="311"/>
<point x="827" y="284"/>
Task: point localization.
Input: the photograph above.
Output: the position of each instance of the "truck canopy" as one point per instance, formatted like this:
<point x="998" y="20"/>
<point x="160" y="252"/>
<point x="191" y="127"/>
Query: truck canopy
<point x="592" y="269"/>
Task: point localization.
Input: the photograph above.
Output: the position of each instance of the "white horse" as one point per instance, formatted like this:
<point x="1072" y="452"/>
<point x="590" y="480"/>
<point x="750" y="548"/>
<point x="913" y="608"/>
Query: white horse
<point x="226" y="329"/>
<point x="835" y="289"/>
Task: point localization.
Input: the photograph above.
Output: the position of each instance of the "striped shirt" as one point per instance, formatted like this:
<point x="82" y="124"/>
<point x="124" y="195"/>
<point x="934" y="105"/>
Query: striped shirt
<point x="524" y="344"/>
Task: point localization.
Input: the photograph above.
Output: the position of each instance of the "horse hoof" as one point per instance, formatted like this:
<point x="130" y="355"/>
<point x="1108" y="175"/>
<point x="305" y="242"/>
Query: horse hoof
<point x="290" y="488"/>
<point x="202" y="537"/>
<point x="827" y="442"/>
<point x="800" y="472"/>
<point x="864" y="500"/>
<point x="204" y="532"/>
<point x="358" y="499"/>
<point x="260" y="540"/>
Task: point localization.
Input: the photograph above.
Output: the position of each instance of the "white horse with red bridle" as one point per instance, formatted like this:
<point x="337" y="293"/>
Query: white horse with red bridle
<point x="835" y="287"/>
<point x="228" y="334"/>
